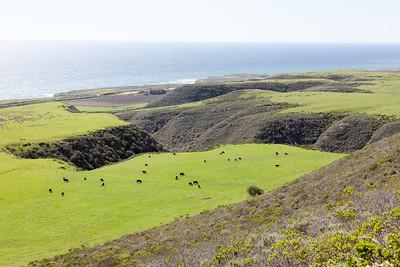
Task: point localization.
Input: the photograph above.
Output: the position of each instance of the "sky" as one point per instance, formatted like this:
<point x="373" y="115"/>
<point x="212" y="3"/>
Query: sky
<point x="319" y="21"/>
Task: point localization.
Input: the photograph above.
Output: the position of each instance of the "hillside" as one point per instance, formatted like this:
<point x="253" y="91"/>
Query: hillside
<point x="345" y="213"/>
<point x="339" y="111"/>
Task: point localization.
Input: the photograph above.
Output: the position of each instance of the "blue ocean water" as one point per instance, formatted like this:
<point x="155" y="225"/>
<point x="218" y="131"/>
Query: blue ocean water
<point x="39" y="69"/>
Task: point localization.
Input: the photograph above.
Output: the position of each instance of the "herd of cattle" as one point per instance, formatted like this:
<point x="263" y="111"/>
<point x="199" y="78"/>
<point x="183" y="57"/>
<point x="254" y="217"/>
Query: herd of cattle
<point x="181" y="174"/>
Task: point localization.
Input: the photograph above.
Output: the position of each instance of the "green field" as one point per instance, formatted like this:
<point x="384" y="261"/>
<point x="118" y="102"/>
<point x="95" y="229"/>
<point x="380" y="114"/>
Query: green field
<point x="383" y="99"/>
<point x="36" y="224"/>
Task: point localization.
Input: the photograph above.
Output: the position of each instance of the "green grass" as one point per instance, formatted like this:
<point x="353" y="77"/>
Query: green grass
<point x="384" y="99"/>
<point x="48" y="122"/>
<point x="35" y="224"/>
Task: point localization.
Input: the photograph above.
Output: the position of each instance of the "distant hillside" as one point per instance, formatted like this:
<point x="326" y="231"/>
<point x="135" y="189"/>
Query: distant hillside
<point x="347" y="213"/>
<point x="234" y="119"/>
<point x="197" y="92"/>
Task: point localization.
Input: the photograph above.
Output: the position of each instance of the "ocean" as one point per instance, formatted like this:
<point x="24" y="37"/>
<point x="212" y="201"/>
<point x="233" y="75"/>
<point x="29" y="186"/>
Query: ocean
<point x="34" y="69"/>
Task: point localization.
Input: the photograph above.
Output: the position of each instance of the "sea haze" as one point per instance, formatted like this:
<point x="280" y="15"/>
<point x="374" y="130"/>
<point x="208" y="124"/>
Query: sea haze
<point x="39" y="69"/>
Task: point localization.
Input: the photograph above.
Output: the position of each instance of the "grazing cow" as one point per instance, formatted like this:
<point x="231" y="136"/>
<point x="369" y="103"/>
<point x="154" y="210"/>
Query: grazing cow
<point x="84" y="178"/>
<point x="50" y="190"/>
<point x="204" y="161"/>
<point x="62" y="193"/>
<point x="235" y="159"/>
<point x="102" y="185"/>
<point x="174" y="154"/>
<point x="144" y="172"/>
<point x="239" y="158"/>
<point x="276" y="153"/>
<point x="229" y="159"/>
<point x="176" y="177"/>
<point x="190" y="184"/>
<point x="195" y="182"/>
<point x="222" y="152"/>
<point x="198" y="186"/>
<point x="277" y="165"/>
<point x="182" y="174"/>
<point x="138" y="181"/>
<point x="101" y="180"/>
<point x="149" y="156"/>
<point x="286" y="153"/>
<point x="146" y="164"/>
<point x="65" y="180"/>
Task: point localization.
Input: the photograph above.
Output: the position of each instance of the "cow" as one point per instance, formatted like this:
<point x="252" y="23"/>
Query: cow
<point x="146" y="164"/>
<point x="84" y="178"/>
<point x="190" y="184"/>
<point x="286" y="153"/>
<point x="229" y="159"/>
<point x="65" y="180"/>
<point x="62" y="194"/>
<point x="198" y="186"/>
<point x="149" y="156"/>
<point x="138" y="181"/>
<point x="277" y="165"/>
<point x="182" y="174"/>
<point x="176" y="177"/>
<point x="239" y="158"/>
<point x="195" y="182"/>
<point x="144" y="172"/>
<point x="204" y="161"/>
<point x="174" y="154"/>
<point x="276" y="153"/>
<point x="50" y="190"/>
<point x="103" y="184"/>
<point x="101" y="180"/>
<point x="235" y="159"/>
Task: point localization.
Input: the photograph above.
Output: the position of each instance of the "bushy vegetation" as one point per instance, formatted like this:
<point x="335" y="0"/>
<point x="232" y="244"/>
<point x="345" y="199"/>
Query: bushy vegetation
<point x="93" y="150"/>
<point x="254" y="191"/>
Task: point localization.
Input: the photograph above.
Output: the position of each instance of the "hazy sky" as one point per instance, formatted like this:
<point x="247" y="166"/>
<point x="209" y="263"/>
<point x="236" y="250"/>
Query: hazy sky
<point x="202" y="20"/>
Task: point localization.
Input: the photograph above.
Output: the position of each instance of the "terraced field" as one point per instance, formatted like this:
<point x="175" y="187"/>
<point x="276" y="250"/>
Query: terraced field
<point x="35" y="223"/>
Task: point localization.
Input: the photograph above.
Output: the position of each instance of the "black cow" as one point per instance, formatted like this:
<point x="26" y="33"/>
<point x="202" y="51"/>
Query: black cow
<point x="286" y="153"/>
<point x="235" y="159"/>
<point x="101" y="180"/>
<point x="229" y="159"/>
<point x="195" y="182"/>
<point x="65" y="180"/>
<point x="144" y="172"/>
<point x="276" y="153"/>
<point x="190" y="184"/>
<point x="138" y="181"/>
<point x="182" y="174"/>
<point x="277" y="165"/>
<point x="50" y="190"/>
<point x="198" y="186"/>
<point x="239" y="158"/>
<point x="174" y="154"/>
<point x="146" y="164"/>
<point x="102" y="185"/>
<point x="62" y="193"/>
<point x="84" y="178"/>
<point x="149" y="156"/>
<point x="176" y="177"/>
<point x="222" y="152"/>
<point x="204" y="161"/>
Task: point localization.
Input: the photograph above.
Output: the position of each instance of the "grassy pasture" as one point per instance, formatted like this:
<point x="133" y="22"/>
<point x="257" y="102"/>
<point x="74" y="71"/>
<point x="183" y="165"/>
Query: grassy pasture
<point x="384" y="99"/>
<point x="36" y="224"/>
<point x="48" y="122"/>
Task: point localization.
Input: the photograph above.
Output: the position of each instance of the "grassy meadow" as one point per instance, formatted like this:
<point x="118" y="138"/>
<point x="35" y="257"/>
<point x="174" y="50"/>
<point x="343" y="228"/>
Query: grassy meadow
<point x="381" y="97"/>
<point x="35" y="223"/>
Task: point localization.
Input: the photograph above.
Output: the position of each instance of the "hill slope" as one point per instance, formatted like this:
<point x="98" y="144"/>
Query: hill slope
<point x="347" y="212"/>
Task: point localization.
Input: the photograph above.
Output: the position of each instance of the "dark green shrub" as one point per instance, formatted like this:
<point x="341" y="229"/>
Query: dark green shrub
<point x="254" y="191"/>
